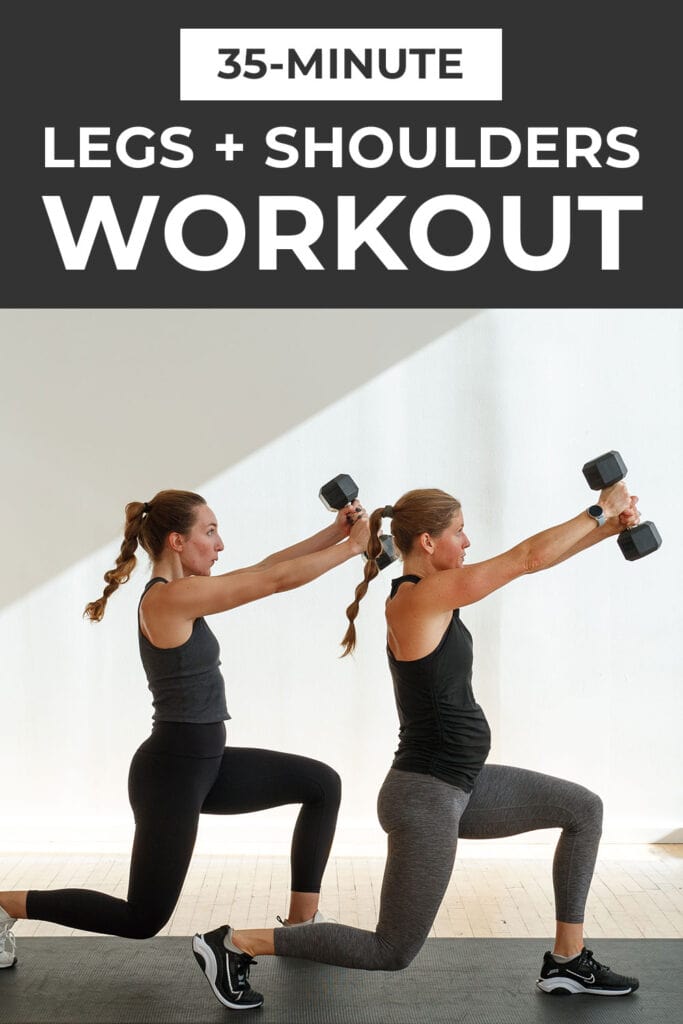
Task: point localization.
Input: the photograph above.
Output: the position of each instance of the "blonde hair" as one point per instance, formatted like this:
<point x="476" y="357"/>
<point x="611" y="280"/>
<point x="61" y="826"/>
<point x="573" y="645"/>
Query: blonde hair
<point x="427" y="510"/>
<point x="147" y="524"/>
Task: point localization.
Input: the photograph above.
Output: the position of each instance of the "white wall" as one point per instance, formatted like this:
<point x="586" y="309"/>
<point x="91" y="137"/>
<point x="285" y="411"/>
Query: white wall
<point x="84" y="417"/>
<point x="579" y="669"/>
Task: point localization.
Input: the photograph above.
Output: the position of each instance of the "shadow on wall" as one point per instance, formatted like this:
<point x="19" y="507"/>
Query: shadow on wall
<point x="671" y="837"/>
<point x="104" y="406"/>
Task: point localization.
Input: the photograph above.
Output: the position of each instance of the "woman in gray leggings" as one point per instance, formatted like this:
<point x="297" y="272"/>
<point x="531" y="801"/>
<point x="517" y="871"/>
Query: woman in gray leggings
<point x="439" y="787"/>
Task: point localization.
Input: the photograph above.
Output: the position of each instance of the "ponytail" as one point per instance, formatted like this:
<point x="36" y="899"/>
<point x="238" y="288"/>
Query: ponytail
<point x="371" y="570"/>
<point x="125" y="563"/>
<point x="427" y="510"/>
<point x="147" y="524"/>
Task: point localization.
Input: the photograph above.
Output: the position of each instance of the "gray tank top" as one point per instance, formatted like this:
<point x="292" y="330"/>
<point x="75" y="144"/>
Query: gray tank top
<point x="186" y="681"/>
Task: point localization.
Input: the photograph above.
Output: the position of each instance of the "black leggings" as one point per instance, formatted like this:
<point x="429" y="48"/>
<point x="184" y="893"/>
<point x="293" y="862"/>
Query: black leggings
<point x="180" y="772"/>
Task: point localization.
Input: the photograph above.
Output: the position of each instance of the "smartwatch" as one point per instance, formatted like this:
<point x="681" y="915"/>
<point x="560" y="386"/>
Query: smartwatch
<point x="596" y="513"/>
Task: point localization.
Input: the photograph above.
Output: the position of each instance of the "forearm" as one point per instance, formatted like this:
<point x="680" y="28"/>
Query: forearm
<point x="318" y="542"/>
<point x="611" y="528"/>
<point x="295" y="572"/>
<point x="194" y="596"/>
<point x="558" y="543"/>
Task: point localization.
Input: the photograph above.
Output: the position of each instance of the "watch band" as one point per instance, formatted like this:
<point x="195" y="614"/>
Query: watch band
<point x="596" y="513"/>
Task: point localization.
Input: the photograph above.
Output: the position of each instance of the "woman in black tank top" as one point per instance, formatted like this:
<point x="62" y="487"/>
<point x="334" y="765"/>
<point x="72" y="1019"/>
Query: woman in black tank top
<point x="439" y="787"/>
<point x="184" y="769"/>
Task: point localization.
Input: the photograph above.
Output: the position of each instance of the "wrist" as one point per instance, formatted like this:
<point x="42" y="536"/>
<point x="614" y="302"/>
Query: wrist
<point x="613" y="526"/>
<point x="354" y="548"/>
<point x="333" y="533"/>
<point x="598" y="514"/>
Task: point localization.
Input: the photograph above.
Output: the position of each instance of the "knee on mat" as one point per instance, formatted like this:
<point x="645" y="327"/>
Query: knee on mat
<point x="147" y="926"/>
<point x="396" y="959"/>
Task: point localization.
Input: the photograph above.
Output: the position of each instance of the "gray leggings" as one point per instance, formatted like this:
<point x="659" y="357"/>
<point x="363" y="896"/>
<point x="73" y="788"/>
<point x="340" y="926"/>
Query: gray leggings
<point x="423" y="818"/>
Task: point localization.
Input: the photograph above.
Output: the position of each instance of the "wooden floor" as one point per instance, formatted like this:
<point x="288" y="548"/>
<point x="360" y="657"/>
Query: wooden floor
<point x="637" y="891"/>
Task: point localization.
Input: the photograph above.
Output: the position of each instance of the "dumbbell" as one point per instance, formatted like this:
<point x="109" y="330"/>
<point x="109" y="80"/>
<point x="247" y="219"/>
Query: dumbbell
<point x="341" y="491"/>
<point x="637" y="541"/>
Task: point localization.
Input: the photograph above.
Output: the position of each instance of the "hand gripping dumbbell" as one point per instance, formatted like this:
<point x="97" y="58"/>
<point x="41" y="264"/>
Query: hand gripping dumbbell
<point x="636" y="541"/>
<point x="341" y="491"/>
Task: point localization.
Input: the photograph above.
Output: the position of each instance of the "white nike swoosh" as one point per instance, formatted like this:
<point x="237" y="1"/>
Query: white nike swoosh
<point x="589" y="981"/>
<point x="237" y="994"/>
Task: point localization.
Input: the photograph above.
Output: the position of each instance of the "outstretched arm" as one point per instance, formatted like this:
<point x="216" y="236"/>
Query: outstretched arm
<point x="455" y="588"/>
<point x="195" y="596"/>
<point x="611" y="528"/>
<point x="330" y="535"/>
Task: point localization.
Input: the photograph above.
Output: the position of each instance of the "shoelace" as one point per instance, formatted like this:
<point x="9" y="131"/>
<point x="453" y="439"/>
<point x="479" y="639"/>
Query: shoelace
<point x="244" y="964"/>
<point x="589" y="961"/>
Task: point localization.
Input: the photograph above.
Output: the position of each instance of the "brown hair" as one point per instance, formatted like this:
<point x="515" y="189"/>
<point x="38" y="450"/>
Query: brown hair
<point x="147" y="524"/>
<point x="427" y="510"/>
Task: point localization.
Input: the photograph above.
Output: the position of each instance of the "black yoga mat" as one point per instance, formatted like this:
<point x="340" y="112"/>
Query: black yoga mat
<point x="477" y="981"/>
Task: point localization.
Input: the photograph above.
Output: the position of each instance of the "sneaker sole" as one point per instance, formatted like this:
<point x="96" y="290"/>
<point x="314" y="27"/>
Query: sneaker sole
<point x="205" y="957"/>
<point x="6" y="967"/>
<point x="567" y="987"/>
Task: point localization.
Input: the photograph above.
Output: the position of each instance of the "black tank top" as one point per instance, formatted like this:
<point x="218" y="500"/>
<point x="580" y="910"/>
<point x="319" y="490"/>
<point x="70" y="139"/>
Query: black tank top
<point x="443" y="731"/>
<point x="186" y="681"/>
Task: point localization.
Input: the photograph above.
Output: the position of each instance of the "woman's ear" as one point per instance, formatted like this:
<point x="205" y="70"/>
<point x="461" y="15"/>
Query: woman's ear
<point x="175" y="542"/>
<point x="426" y="543"/>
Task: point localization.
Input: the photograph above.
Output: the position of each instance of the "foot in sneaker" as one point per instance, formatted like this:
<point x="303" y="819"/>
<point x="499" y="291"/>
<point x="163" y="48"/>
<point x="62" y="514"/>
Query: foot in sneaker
<point x="317" y="918"/>
<point x="583" y="974"/>
<point x="226" y="971"/>
<point x="8" y="943"/>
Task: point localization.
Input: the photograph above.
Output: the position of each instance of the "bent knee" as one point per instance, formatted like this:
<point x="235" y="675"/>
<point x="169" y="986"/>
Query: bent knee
<point x="588" y="810"/>
<point x="398" y="960"/>
<point x="592" y="807"/>
<point x="143" y="931"/>
<point x="146" y="926"/>
<point x="330" y="782"/>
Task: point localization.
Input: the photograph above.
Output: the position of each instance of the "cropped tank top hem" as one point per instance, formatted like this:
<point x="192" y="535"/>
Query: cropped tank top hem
<point x="185" y="681"/>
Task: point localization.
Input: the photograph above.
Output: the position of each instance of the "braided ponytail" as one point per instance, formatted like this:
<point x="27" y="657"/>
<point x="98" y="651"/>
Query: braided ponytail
<point x="125" y="563"/>
<point x="147" y="524"/>
<point x="427" y="510"/>
<point x="371" y="570"/>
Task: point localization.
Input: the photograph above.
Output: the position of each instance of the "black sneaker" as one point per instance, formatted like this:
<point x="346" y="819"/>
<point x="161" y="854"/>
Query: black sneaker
<point x="226" y="972"/>
<point x="583" y="974"/>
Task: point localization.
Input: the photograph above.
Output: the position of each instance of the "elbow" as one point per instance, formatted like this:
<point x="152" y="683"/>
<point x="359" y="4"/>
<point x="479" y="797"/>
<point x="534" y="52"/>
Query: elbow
<point x="280" y="579"/>
<point x="534" y="564"/>
<point x="534" y="558"/>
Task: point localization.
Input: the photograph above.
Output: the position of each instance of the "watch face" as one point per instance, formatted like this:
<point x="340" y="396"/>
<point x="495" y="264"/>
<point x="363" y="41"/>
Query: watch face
<point x="596" y="511"/>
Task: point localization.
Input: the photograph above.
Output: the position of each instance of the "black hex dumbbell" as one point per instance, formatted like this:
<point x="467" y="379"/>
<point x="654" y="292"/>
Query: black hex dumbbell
<point x="341" y="491"/>
<point x="637" y="541"/>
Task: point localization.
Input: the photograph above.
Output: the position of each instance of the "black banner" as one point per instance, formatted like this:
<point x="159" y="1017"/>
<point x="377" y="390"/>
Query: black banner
<point x="563" y="192"/>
